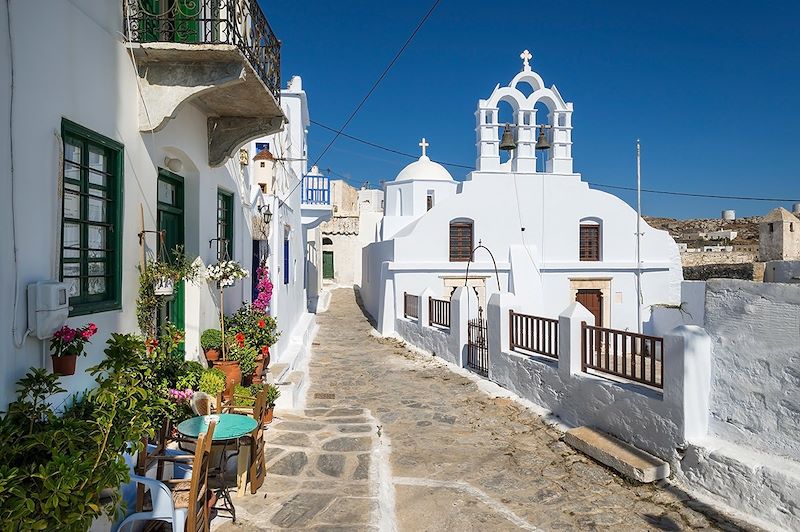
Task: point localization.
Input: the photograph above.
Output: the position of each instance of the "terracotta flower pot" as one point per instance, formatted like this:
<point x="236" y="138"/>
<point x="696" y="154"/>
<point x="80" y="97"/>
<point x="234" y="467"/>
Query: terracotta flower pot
<point x="233" y="375"/>
<point x="212" y="355"/>
<point x="268" y="415"/>
<point x="262" y="361"/>
<point x="65" y="364"/>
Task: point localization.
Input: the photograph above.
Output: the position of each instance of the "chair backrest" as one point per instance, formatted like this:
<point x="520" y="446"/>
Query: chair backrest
<point x="201" y="403"/>
<point x="258" y="466"/>
<point x="198" y="518"/>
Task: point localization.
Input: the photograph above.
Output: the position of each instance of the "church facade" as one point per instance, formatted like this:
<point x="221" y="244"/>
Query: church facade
<point x="527" y="225"/>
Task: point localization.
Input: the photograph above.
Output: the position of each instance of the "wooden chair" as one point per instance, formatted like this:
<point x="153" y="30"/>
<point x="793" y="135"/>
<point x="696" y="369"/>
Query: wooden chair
<point x="184" y="503"/>
<point x="251" y="456"/>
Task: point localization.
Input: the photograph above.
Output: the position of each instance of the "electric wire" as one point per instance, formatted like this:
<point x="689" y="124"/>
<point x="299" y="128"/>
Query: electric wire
<point x="593" y="183"/>
<point x="339" y="132"/>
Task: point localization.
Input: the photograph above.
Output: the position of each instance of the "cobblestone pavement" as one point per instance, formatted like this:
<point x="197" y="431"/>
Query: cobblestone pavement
<point x="438" y="454"/>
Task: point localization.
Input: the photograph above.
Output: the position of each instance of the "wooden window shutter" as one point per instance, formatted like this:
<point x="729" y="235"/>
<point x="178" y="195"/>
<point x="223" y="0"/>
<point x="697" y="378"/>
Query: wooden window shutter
<point x="590" y="243"/>
<point x="460" y="241"/>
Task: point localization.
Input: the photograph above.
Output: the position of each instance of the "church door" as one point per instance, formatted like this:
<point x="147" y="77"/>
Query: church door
<point x="593" y="301"/>
<point x="327" y="264"/>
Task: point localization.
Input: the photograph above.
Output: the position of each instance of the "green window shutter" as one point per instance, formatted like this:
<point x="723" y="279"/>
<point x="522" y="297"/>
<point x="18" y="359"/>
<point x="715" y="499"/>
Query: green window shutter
<point x="224" y="225"/>
<point x="91" y="222"/>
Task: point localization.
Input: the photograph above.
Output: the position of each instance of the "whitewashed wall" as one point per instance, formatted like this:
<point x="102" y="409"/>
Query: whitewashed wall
<point x="90" y="81"/>
<point x="755" y="329"/>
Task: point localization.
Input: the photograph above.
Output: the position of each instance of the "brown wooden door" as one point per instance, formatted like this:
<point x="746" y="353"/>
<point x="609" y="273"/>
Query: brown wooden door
<point x="593" y="301"/>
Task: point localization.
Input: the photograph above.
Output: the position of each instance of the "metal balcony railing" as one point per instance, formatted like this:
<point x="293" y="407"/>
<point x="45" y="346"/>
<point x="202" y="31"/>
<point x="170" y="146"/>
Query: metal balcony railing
<point x="316" y="190"/>
<point x="237" y="22"/>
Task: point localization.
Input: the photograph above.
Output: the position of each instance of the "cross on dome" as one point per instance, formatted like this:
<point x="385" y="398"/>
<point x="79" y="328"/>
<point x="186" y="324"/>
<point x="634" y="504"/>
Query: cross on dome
<point x="424" y="145"/>
<point x="526" y="56"/>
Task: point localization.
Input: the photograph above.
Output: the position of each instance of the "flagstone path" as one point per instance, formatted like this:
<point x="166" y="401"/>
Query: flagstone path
<point x="394" y="440"/>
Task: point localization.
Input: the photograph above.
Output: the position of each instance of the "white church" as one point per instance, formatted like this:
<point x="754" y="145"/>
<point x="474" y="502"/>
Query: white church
<point x="527" y="225"/>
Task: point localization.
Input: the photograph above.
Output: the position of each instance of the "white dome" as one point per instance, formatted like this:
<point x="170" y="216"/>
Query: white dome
<point x="424" y="170"/>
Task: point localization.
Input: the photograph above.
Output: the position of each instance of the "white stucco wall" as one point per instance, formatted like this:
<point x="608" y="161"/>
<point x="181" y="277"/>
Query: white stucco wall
<point x="96" y="87"/>
<point x="756" y="384"/>
<point x="690" y="311"/>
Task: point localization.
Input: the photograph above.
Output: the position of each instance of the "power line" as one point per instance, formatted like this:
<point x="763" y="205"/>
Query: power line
<point x="599" y="185"/>
<point x="390" y="150"/>
<point x="378" y="81"/>
<point x="695" y="195"/>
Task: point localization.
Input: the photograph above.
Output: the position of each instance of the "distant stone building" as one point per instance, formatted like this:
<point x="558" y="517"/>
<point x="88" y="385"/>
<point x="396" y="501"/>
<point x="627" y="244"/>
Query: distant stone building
<point x="356" y="214"/>
<point x="779" y="236"/>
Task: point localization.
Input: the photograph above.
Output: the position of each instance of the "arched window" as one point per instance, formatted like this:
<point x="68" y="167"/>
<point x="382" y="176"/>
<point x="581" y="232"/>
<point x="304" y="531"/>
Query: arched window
<point x="590" y="242"/>
<point x="327" y="241"/>
<point x="461" y="237"/>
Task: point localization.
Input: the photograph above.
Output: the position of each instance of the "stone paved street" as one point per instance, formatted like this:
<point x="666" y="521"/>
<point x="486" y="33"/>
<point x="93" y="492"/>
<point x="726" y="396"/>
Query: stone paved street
<point x="392" y="439"/>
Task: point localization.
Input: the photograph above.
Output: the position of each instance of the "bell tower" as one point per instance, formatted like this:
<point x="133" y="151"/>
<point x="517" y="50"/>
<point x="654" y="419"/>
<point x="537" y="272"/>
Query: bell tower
<point x="557" y="126"/>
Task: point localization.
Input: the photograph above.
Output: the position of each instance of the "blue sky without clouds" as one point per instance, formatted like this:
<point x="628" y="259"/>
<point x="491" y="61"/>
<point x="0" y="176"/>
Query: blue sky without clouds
<point x="712" y="88"/>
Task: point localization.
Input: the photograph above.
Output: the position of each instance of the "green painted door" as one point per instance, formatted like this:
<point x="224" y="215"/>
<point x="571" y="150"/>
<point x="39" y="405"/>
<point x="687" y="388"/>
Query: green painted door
<point x="327" y="264"/>
<point x="170" y="220"/>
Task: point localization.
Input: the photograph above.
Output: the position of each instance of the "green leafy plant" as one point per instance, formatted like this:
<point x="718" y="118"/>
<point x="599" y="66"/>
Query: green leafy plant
<point x="243" y="396"/>
<point x="211" y="339"/>
<point x="177" y="269"/>
<point x="244" y="354"/>
<point x="273" y="393"/>
<point x="189" y="375"/>
<point x="212" y="381"/>
<point x="54" y="467"/>
<point x="258" y="328"/>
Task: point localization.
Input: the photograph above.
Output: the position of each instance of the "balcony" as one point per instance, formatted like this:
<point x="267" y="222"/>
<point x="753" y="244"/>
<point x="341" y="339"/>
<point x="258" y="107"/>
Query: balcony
<point x="316" y="199"/>
<point x="221" y="55"/>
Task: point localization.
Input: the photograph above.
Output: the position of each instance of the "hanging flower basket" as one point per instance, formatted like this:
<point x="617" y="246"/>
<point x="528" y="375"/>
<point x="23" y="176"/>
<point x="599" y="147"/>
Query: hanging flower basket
<point x="65" y="364"/>
<point x="67" y="345"/>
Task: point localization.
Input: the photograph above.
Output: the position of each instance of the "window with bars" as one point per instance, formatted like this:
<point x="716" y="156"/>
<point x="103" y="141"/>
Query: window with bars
<point x="224" y="225"/>
<point x="460" y="241"/>
<point x="590" y="242"/>
<point x="91" y="224"/>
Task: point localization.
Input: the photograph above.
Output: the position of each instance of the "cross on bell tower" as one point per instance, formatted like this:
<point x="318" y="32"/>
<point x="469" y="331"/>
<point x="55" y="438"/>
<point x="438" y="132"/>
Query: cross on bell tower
<point x="526" y="56"/>
<point x="424" y="145"/>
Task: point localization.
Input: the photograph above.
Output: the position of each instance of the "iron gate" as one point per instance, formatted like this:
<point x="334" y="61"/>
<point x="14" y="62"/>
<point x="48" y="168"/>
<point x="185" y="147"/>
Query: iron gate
<point x="478" y="345"/>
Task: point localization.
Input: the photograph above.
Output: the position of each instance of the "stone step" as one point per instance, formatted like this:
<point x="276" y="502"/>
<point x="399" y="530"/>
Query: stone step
<point x="616" y="454"/>
<point x="278" y="371"/>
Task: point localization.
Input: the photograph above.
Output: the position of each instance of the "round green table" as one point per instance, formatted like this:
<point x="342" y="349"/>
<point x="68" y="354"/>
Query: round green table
<point x="229" y="426"/>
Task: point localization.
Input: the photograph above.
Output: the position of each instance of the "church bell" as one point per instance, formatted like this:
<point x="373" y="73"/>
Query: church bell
<point x="542" y="143"/>
<point x="507" y="143"/>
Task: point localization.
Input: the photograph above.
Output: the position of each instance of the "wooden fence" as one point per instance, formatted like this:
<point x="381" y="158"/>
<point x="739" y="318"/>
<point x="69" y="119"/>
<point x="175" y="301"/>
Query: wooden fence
<point x="533" y="334"/>
<point x="410" y="305"/>
<point x="438" y="312"/>
<point x="632" y="356"/>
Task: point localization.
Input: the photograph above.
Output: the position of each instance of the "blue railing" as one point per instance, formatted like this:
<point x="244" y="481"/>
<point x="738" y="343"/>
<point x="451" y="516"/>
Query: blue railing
<point x="316" y="190"/>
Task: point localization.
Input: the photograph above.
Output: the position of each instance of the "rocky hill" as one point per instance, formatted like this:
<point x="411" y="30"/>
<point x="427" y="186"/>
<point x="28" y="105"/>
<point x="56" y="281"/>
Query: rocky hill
<point x="686" y="230"/>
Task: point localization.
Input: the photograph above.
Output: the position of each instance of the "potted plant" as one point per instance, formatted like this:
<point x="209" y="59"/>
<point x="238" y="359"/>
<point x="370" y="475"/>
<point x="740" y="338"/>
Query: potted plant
<point x="211" y="343"/>
<point x="241" y="362"/>
<point x="67" y="345"/>
<point x="225" y="273"/>
<point x="273" y="393"/>
<point x="157" y="279"/>
<point x="212" y="382"/>
<point x="260" y="331"/>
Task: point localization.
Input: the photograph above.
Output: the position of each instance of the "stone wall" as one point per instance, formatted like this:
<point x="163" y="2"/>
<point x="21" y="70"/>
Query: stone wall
<point x="697" y="258"/>
<point x="747" y="272"/>
<point x="755" y="330"/>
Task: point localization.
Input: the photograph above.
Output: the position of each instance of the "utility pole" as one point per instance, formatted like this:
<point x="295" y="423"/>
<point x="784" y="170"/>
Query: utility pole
<point x="638" y="236"/>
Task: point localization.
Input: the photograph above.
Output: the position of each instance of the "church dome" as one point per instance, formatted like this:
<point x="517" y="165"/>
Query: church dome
<point x="424" y="169"/>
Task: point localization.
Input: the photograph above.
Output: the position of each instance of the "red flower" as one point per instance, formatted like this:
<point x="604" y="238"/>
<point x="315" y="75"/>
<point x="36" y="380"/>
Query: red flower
<point x="265" y="350"/>
<point x="262" y="324"/>
<point x="240" y="339"/>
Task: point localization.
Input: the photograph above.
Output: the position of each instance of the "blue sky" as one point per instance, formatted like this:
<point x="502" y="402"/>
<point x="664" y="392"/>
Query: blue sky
<point x="712" y="88"/>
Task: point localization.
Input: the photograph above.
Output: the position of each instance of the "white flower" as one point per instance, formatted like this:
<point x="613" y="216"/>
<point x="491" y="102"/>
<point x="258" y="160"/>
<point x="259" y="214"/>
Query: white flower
<point x="226" y="272"/>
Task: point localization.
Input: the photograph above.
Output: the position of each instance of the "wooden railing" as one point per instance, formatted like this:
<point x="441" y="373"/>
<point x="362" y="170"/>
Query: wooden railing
<point x="533" y="334"/>
<point x="410" y="305"/>
<point x="632" y="356"/>
<point x="438" y="312"/>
